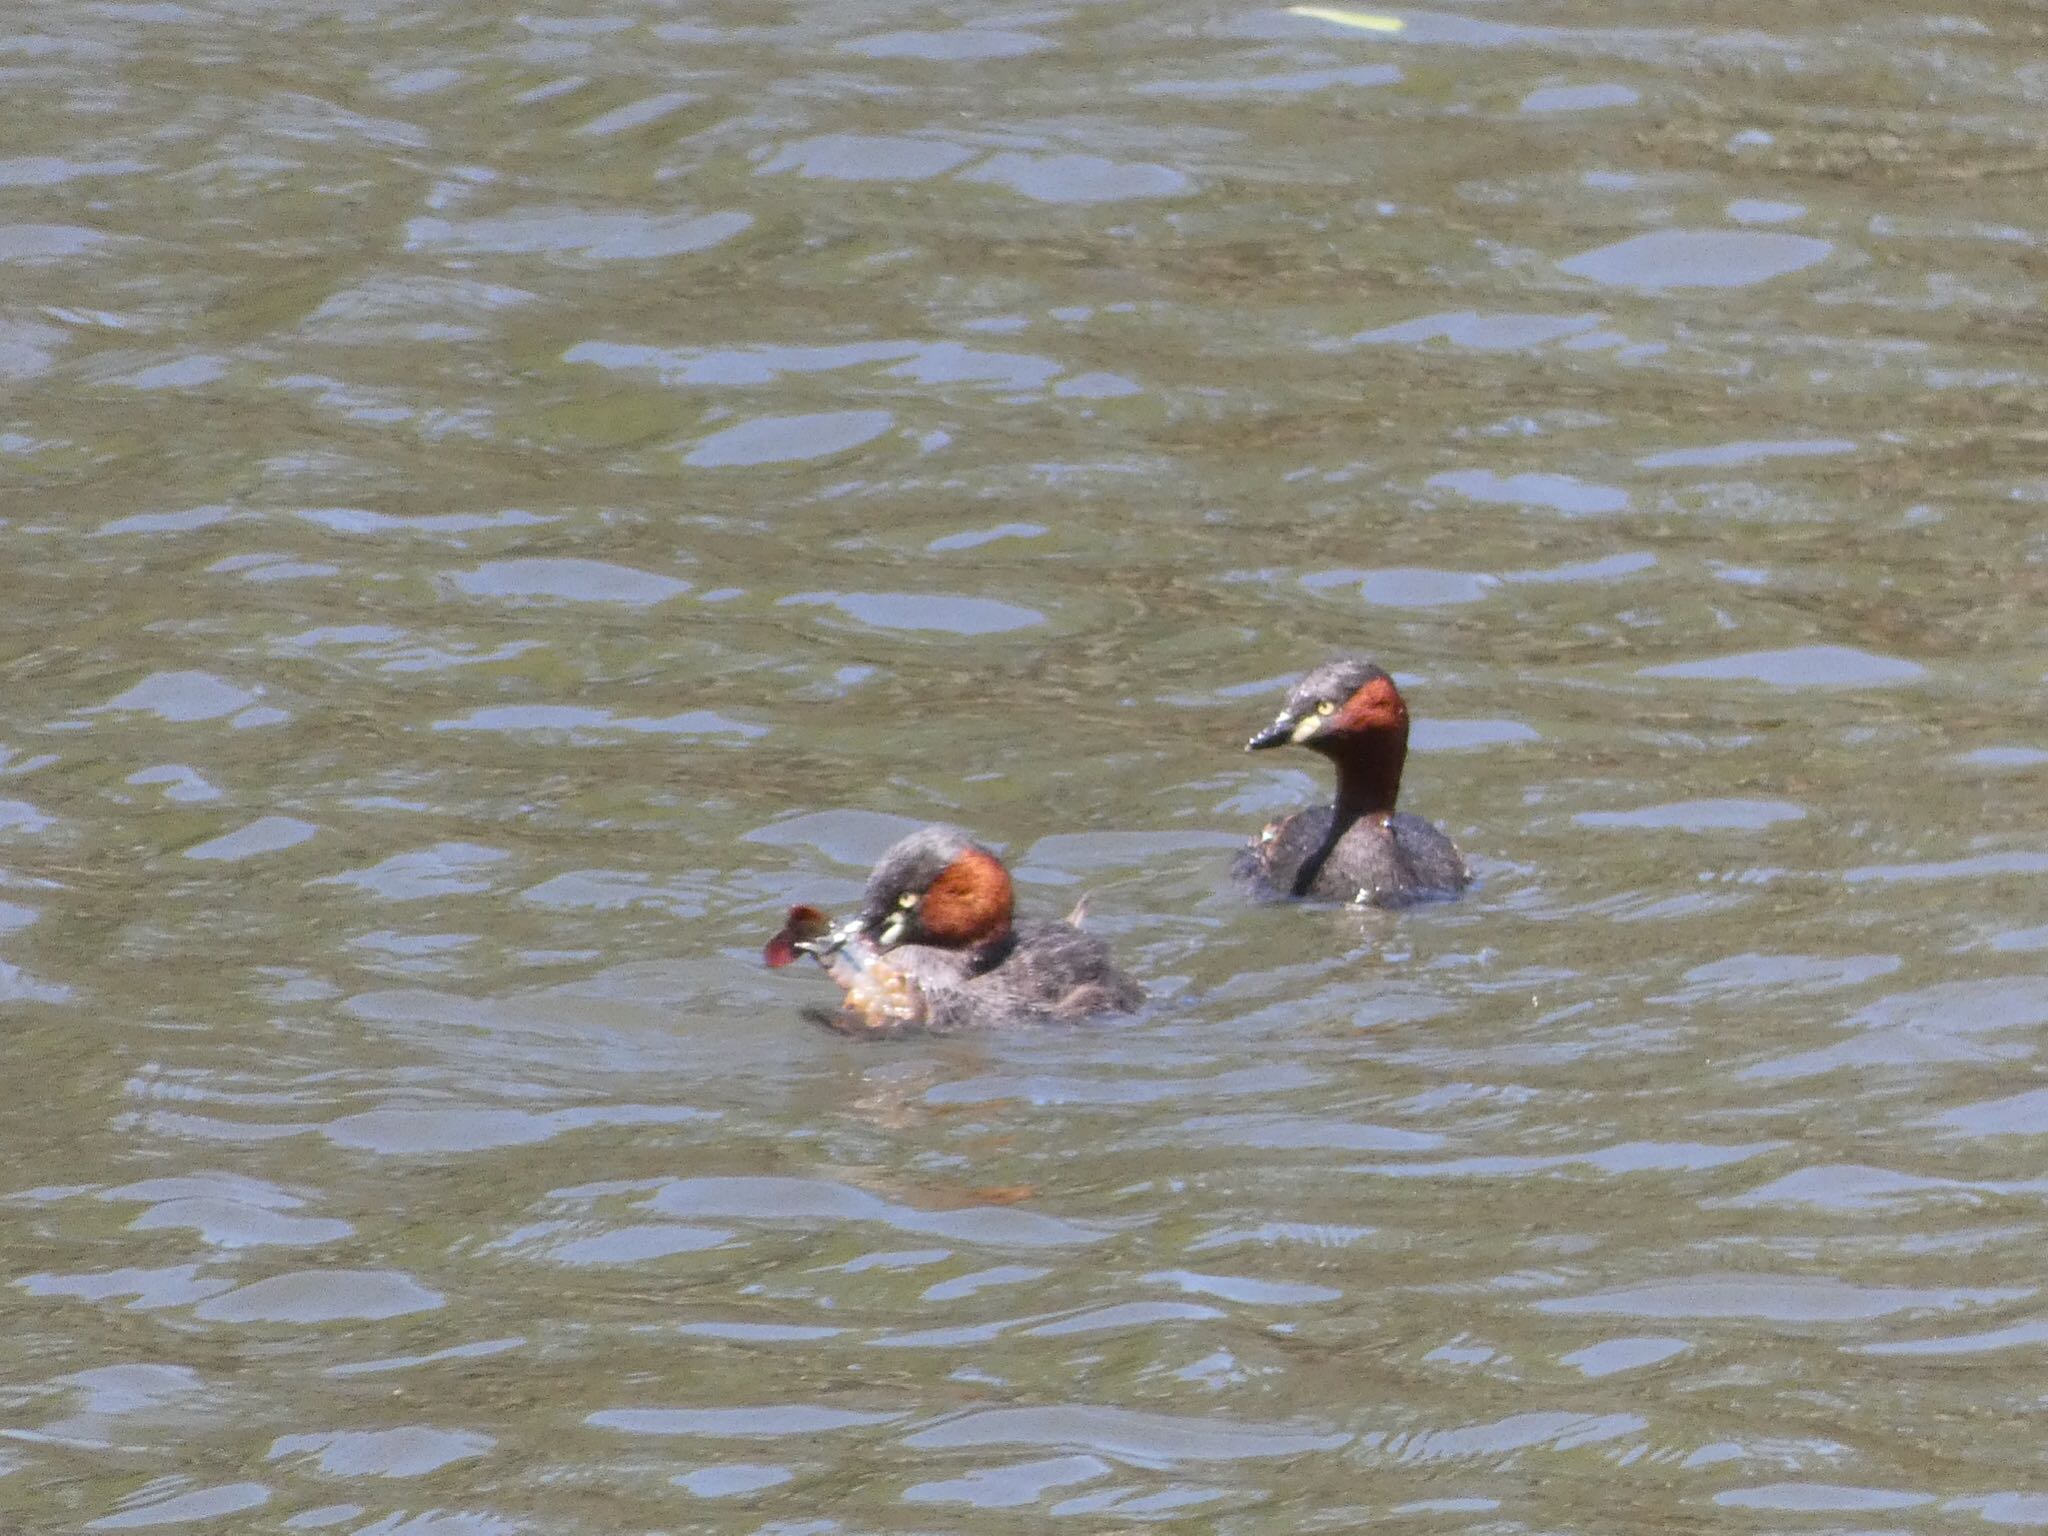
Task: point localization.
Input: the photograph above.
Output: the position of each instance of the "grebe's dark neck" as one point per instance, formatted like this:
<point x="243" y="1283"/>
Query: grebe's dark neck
<point x="1368" y="767"/>
<point x="990" y="953"/>
<point x="1369" y="771"/>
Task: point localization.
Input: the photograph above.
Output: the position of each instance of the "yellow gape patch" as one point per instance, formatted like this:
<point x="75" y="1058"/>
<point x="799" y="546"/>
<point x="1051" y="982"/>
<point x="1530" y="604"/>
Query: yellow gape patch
<point x="899" y="920"/>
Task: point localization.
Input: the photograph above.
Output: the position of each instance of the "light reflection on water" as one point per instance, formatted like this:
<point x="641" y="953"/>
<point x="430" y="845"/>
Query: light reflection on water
<point x="503" y="504"/>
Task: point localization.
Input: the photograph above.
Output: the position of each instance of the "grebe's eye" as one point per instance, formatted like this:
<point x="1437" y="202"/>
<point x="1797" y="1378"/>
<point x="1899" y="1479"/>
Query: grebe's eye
<point x="907" y="900"/>
<point x="1326" y="708"/>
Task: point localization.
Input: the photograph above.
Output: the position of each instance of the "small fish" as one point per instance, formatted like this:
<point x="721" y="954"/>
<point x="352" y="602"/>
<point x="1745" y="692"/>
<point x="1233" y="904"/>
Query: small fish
<point x="799" y="935"/>
<point x="879" y="998"/>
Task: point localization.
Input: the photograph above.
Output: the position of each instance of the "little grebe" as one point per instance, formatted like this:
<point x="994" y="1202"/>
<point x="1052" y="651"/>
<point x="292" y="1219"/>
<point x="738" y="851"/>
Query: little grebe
<point x="935" y="947"/>
<point x="1359" y="848"/>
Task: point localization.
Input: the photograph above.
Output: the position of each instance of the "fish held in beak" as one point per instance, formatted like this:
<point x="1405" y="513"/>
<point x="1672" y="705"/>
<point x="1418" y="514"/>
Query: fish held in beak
<point x="806" y="931"/>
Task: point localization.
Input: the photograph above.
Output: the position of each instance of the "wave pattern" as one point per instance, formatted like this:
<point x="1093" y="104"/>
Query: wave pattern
<point x="503" y="501"/>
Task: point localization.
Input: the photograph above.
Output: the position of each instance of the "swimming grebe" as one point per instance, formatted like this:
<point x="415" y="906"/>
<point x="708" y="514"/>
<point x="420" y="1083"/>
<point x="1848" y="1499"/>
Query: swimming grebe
<point x="1359" y="848"/>
<point x="935" y="947"/>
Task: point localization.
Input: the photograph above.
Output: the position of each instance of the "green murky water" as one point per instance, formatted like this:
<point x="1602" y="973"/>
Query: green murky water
<point x="498" y="503"/>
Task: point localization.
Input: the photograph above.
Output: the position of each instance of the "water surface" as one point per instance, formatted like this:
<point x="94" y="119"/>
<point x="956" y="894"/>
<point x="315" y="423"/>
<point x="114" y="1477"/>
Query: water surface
<point x="500" y="502"/>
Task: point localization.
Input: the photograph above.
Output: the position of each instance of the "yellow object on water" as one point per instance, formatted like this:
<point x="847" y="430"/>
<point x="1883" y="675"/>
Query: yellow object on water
<point x="1365" y="21"/>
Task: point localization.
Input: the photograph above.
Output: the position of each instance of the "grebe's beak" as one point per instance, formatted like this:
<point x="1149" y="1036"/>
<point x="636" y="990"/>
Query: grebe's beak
<point x="1278" y="734"/>
<point x="1287" y="731"/>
